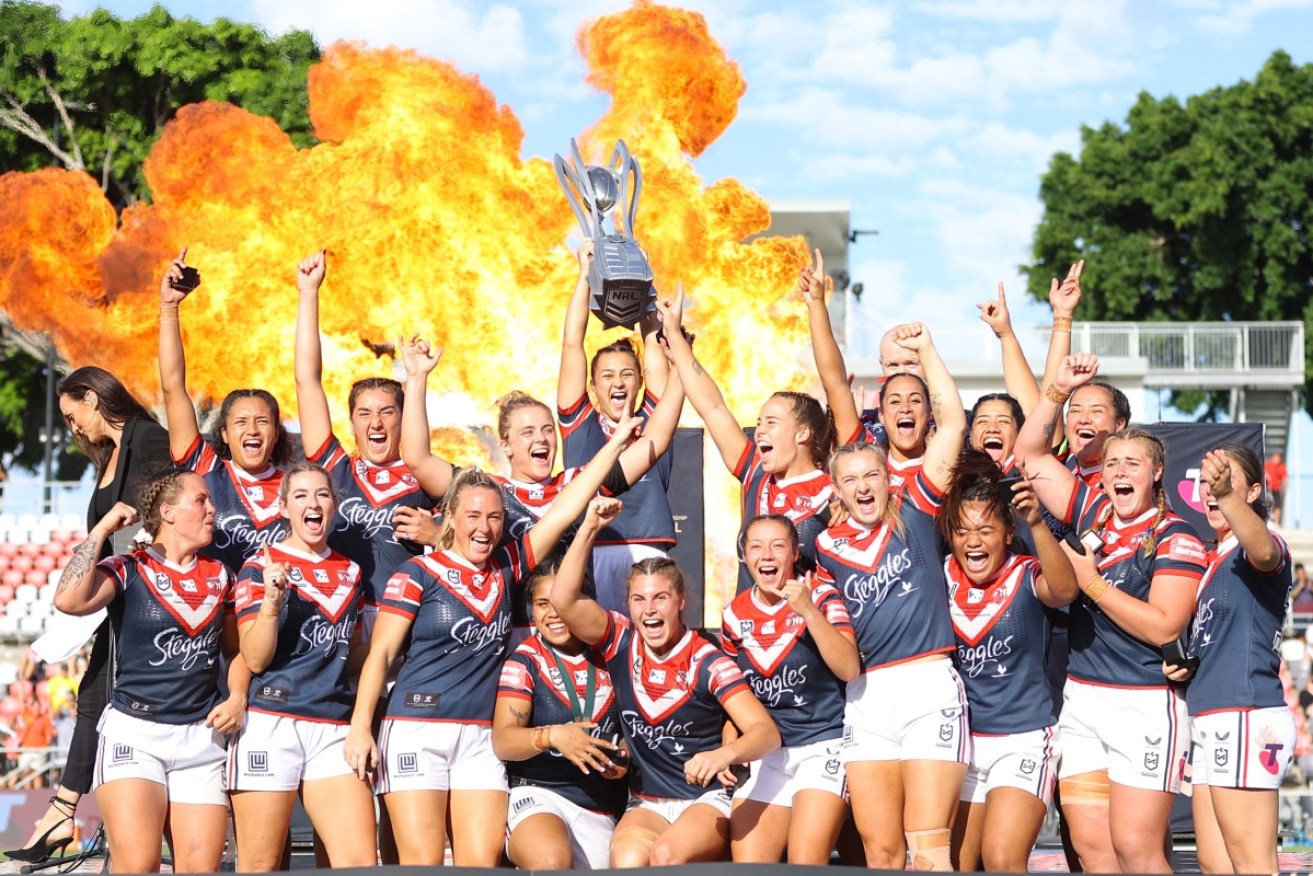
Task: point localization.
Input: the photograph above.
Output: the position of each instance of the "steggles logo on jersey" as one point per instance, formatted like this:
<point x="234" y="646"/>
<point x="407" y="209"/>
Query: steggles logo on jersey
<point x="871" y="590"/>
<point x="472" y="633"/>
<point x="235" y="530"/>
<point x="317" y="634"/>
<point x="653" y="734"/>
<point x="770" y="689"/>
<point x="975" y="660"/>
<point x="187" y="650"/>
<point x="370" y="519"/>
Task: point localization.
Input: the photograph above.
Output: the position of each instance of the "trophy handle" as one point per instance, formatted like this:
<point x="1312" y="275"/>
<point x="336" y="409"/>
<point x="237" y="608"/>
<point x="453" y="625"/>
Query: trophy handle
<point x="623" y="164"/>
<point x="576" y="185"/>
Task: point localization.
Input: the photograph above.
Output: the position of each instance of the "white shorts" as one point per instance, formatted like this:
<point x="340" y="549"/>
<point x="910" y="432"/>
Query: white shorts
<point x="1139" y="735"/>
<point x="1028" y="761"/>
<point x="910" y="711"/>
<point x="611" y="563"/>
<point x="278" y="753"/>
<point x="590" y="832"/>
<point x="187" y="759"/>
<point x="437" y="756"/>
<point x="781" y="774"/>
<point x="1249" y="748"/>
<point x="670" y="808"/>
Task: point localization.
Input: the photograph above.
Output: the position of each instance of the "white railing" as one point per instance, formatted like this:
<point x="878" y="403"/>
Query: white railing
<point x="1200" y="347"/>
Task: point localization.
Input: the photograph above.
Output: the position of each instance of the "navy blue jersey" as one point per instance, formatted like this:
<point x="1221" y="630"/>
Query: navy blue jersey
<point x="247" y="513"/>
<point x="670" y="709"/>
<point x="804" y="499"/>
<point x="307" y="676"/>
<point x="168" y="624"/>
<point x="1101" y="651"/>
<point x="461" y="617"/>
<point x="783" y="666"/>
<point x="1002" y="647"/>
<point x="367" y="497"/>
<point x="893" y="583"/>
<point x="1237" y="632"/>
<point x="531" y="674"/>
<point x="646" y="517"/>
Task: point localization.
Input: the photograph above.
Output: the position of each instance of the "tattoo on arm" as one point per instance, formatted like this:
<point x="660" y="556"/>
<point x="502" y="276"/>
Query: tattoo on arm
<point x="521" y="718"/>
<point x="697" y="367"/>
<point x="84" y="557"/>
<point x="1049" y="428"/>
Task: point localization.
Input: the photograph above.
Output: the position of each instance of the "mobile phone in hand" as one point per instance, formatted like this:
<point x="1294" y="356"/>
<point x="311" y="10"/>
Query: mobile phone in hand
<point x="1175" y="655"/>
<point x="190" y="279"/>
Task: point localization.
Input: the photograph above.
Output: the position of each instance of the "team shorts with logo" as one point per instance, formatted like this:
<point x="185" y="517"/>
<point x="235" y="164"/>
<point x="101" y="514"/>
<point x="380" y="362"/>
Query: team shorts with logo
<point x="1028" y="761"/>
<point x="782" y="773"/>
<point x="590" y="832"/>
<point x="611" y="564"/>
<point x="187" y="759"/>
<point x="1139" y="735"/>
<point x="670" y="808"/>
<point x="278" y="753"/>
<point x="1244" y="748"/>
<point x="909" y="711"/>
<point x="437" y="756"/>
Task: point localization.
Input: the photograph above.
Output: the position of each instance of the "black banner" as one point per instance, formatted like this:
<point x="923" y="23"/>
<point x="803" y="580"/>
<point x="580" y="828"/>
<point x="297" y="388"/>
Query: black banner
<point x="1186" y="445"/>
<point x="686" y="505"/>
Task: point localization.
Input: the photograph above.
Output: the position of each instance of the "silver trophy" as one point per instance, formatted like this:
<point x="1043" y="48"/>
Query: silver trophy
<point x="620" y="281"/>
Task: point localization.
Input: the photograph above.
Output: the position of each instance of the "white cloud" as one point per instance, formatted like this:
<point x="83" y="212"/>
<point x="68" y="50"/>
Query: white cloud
<point x="1236" y="18"/>
<point x="476" y="37"/>
<point x="993" y="10"/>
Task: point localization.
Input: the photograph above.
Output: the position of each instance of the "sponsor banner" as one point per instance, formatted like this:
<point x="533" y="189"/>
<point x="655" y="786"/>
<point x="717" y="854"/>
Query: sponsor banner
<point x="1186" y="445"/>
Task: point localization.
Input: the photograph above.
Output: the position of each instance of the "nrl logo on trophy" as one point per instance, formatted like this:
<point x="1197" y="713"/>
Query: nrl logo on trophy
<point x="620" y="281"/>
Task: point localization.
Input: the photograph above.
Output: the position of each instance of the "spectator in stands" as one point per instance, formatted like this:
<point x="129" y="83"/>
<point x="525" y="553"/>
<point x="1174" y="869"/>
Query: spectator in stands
<point x="60" y="686"/>
<point x="35" y="733"/>
<point x="125" y="443"/>
<point x="1277" y="475"/>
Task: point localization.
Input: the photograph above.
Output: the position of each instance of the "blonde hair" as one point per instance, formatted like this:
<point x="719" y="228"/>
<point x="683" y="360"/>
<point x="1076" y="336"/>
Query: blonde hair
<point x="468" y="479"/>
<point x="892" y="511"/>
<point x="511" y="402"/>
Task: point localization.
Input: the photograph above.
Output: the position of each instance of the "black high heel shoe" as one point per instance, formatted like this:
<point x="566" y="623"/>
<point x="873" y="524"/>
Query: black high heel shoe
<point x="43" y="848"/>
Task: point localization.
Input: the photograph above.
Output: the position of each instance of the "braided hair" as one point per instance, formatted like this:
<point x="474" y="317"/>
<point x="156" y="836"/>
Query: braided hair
<point x="1158" y="459"/>
<point x="164" y="488"/>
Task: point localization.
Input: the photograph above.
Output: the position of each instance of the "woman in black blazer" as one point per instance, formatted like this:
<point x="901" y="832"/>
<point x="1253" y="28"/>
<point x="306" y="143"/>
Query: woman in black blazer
<point x="127" y="445"/>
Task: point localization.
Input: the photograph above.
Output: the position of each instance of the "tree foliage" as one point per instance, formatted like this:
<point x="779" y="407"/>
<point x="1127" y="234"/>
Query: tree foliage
<point x="1191" y="212"/>
<point x="93" y="93"/>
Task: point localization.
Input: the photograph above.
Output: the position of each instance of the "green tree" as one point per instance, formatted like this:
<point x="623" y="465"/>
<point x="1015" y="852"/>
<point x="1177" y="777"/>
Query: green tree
<point x="93" y="93"/>
<point x="1191" y="212"/>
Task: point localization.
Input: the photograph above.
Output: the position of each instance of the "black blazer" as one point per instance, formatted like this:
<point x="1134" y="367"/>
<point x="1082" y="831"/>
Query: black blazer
<point x="143" y="451"/>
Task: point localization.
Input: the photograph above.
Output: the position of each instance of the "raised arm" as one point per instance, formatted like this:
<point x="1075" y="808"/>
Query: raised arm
<point x="573" y="500"/>
<point x="1056" y="584"/>
<point x="311" y="402"/>
<point x="1018" y="379"/>
<point x="1256" y="540"/>
<point x="837" y="648"/>
<point x="572" y="382"/>
<point x="585" y="618"/>
<point x="83" y="586"/>
<point x="639" y="457"/>
<point x="433" y="472"/>
<point x="699" y="386"/>
<point x="945" y="404"/>
<point x="1052" y="480"/>
<point x="1063" y="298"/>
<point x="179" y="412"/>
<point x="656" y="367"/>
<point x="825" y="349"/>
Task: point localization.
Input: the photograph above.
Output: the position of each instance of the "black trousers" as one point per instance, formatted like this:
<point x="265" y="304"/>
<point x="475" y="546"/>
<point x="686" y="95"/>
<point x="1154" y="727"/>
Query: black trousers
<point x="93" y="694"/>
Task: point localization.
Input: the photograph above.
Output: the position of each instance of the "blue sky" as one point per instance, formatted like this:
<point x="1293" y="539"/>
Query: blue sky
<point x="935" y="119"/>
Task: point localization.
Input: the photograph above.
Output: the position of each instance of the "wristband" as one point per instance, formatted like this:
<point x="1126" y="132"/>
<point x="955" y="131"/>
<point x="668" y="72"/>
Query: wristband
<point x="1096" y="587"/>
<point x="539" y="737"/>
<point x="1057" y="396"/>
<point x="1062" y="323"/>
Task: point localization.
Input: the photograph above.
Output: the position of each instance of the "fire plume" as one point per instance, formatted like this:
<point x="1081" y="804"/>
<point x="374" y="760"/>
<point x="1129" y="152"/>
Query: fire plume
<point x="434" y="224"/>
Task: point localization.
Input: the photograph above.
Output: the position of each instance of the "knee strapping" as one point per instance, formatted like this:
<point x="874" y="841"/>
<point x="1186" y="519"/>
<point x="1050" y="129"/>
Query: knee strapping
<point x="930" y="849"/>
<point x="1087" y="789"/>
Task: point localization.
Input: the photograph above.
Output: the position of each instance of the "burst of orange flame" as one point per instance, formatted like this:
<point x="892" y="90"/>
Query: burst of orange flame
<point x="434" y="224"/>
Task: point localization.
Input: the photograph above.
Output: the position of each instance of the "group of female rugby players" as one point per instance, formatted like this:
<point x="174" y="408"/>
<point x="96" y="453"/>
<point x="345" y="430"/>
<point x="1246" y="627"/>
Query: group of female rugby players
<point x="944" y="621"/>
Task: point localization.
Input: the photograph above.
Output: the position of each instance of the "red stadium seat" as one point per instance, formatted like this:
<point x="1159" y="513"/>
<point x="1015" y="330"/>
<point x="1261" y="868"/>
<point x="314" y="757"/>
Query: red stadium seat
<point x="30" y="549"/>
<point x="22" y="562"/>
<point x="35" y="577"/>
<point x="8" y="549"/>
<point x="11" y="577"/>
<point x="45" y="563"/>
<point x="6" y="594"/>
